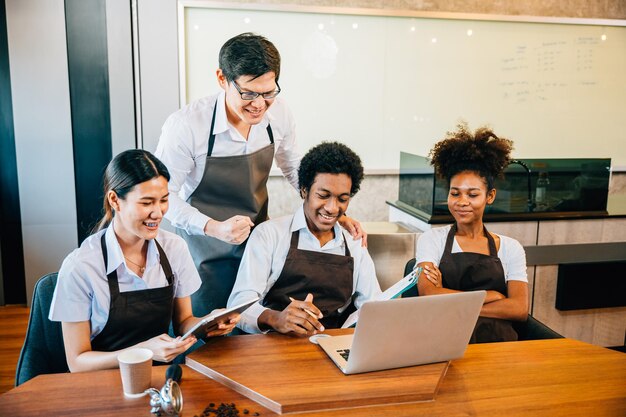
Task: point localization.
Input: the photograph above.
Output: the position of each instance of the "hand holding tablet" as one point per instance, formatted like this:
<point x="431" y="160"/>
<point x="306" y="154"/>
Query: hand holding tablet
<point x="212" y="320"/>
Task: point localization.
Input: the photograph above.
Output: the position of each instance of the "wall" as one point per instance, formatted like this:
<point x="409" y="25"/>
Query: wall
<point x="43" y="132"/>
<point x="609" y="9"/>
<point x="42" y="104"/>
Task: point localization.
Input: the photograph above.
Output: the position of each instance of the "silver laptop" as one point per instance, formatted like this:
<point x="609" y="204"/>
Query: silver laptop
<point x="406" y="332"/>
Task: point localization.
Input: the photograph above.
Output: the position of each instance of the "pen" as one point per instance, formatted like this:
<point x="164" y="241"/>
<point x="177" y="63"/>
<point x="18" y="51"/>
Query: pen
<point x="310" y="313"/>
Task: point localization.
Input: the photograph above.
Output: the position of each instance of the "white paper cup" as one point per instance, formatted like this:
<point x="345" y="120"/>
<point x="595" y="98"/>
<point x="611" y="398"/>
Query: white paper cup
<point x="136" y="370"/>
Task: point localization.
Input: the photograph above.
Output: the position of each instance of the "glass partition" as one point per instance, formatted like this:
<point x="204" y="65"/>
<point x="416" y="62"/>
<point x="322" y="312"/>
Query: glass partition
<point x="417" y="182"/>
<point x="528" y="186"/>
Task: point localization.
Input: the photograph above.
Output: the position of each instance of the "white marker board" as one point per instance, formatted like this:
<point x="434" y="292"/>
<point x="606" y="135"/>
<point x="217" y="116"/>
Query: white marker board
<point x="386" y="84"/>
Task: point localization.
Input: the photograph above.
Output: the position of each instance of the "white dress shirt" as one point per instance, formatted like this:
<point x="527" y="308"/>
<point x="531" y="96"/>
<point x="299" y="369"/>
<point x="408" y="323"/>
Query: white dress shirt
<point x="82" y="290"/>
<point x="183" y="148"/>
<point x="265" y="255"/>
<point x="432" y="243"/>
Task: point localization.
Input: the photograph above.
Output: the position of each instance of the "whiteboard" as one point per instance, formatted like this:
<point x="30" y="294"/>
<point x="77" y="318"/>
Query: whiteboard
<point x="384" y="84"/>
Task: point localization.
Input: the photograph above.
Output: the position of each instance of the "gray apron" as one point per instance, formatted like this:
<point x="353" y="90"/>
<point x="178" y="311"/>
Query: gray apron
<point x="230" y="185"/>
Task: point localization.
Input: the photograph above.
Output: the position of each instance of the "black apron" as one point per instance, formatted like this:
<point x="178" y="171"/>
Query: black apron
<point x="327" y="276"/>
<point x="468" y="271"/>
<point x="230" y="185"/>
<point x="135" y="316"/>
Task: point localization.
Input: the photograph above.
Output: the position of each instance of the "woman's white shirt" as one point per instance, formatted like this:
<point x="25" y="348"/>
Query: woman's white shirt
<point x="432" y="243"/>
<point x="82" y="290"/>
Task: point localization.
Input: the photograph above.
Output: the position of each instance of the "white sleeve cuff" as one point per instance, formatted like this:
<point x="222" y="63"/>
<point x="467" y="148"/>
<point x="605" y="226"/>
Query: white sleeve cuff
<point x="197" y="223"/>
<point x="249" y="322"/>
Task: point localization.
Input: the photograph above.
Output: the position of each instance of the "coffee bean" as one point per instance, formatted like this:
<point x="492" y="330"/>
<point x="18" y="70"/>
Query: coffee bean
<point x="224" y="410"/>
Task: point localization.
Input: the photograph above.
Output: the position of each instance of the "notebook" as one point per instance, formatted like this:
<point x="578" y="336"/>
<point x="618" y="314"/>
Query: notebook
<point x="406" y="332"/>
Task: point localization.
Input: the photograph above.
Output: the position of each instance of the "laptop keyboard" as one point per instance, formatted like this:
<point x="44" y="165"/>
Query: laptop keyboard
<point x="344" y="353"/>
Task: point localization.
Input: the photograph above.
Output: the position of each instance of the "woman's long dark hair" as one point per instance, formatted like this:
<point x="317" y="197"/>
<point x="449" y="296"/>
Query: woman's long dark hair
<point x="126" y="170"/>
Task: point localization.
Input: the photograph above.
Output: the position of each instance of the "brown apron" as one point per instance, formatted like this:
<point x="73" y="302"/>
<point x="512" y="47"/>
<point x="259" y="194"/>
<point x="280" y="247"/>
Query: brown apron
<point x="327" y="276"/>
<point x="468" y="271"/>
<point x="135" y="316"/>
<point x="230" y="185"/>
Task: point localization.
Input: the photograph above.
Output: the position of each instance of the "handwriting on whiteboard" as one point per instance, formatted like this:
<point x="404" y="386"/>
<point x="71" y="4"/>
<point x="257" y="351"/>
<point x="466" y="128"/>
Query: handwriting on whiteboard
<point x="549" y="70"/>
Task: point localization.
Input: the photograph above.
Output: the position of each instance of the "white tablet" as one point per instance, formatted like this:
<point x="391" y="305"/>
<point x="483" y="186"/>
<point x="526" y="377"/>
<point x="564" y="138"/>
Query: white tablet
<point x="213" y="320"/>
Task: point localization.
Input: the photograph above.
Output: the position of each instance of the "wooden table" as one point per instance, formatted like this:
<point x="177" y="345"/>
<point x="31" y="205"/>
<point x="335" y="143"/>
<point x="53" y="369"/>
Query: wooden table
<point x="559" y="377"/>
<point x="293" y="375"/>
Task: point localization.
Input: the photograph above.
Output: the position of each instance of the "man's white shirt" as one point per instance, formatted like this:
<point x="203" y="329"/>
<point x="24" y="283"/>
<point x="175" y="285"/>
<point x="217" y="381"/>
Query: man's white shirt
<point x="265" y="256"/>
<point x="184" y="143"/>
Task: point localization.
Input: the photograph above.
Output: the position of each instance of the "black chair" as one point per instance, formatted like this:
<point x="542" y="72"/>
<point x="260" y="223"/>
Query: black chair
<point x="43" y="351"/>
<point x="411" y="292"/>
<point x="531" y="329"/>
<point x="410" y="265"/>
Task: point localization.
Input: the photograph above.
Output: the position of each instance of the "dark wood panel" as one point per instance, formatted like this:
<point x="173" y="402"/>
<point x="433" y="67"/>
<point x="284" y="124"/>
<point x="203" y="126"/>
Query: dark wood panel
<point x="87" y="58"/>
<point x="575" y="253"/>
<point x="591" y="285"/>
<point x="12" y="278"/>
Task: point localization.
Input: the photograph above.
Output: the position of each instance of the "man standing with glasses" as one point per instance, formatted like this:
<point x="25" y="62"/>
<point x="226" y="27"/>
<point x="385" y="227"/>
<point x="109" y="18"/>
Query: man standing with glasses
<point x="219" y="152"/>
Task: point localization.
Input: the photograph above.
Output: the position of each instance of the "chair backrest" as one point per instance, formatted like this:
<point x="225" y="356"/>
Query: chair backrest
<point x="533" y="329"/>
<point x="411" y="292"/>
<point x="43" y="351"/>
<point x="410" y="265"/>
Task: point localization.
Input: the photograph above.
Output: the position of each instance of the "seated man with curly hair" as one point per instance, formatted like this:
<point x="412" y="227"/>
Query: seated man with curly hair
<point x="308" y="275"/>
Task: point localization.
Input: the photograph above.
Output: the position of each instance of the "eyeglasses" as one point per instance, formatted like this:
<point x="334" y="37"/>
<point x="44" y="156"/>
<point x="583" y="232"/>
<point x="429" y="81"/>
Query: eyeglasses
<point x="251" y="95"/>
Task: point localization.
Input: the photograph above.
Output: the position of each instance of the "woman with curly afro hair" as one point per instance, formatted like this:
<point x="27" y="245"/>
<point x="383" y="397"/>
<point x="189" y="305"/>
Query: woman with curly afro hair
<point x="464" y="256"/>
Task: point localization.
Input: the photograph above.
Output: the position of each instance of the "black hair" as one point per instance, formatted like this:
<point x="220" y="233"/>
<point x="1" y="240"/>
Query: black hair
<point x="126" y="170"/>
<point x="249" y="54"/>
<point x="482" y="152"/>
<point x="330" y="158"/>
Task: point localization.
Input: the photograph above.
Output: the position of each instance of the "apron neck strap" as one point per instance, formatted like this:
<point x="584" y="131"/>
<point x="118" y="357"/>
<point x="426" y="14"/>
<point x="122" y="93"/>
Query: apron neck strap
<point x="493" y="251"/>
<point x="492" y="243"/>
<point x="114" y="287"/>
<point x="112" y="277"/>
<point x="296" y="235"/>
<point x="165" y="263"/>
<point x="212" y="135"/>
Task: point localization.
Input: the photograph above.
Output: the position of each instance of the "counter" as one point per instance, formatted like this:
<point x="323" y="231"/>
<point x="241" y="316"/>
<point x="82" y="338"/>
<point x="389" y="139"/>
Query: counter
<point x="616" y="208"/>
